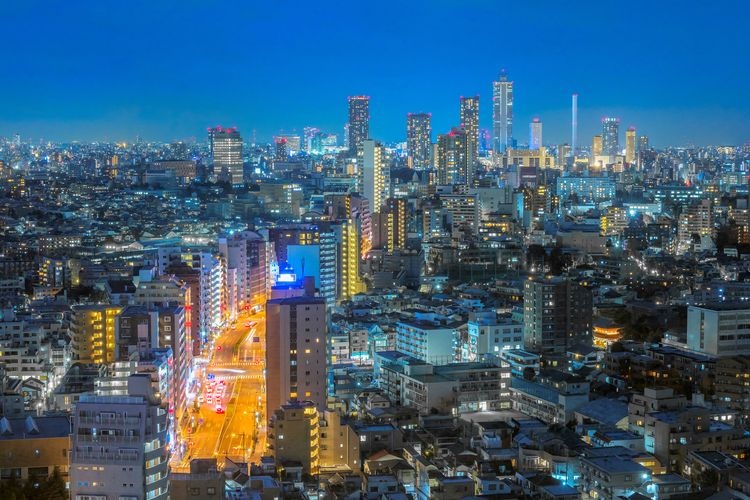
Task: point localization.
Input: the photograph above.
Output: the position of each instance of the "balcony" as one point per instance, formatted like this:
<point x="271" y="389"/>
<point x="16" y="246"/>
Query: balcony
<point x="105" y="438"/>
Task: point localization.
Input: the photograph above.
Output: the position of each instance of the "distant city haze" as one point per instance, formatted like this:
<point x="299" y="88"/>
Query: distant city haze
<point x="167" y="70"/>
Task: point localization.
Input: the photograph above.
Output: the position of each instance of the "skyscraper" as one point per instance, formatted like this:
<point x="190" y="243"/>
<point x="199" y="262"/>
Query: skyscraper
<point x="418" y="140"/>
<point x="359" y="121"/>
<point x="502" y="112"/>
<point x="351" y="246"/>
<point x="611" y="136"/>
<point x="296" y="351"/>
<point x="535" y="134"/>
<point x="643" y="143"/>
<point x="630" y="145"/>
<point x="282" y="149"/>
<point x="376" y="175"/>
<point x="596" y="145"/>
<point x="309" y="134"/>
<point x="226" y="151"/>
<point x="574" y="124"/>
<point x="470" y="122"/>
<point x="293" y="142"/>
<point x="452" y="162"/>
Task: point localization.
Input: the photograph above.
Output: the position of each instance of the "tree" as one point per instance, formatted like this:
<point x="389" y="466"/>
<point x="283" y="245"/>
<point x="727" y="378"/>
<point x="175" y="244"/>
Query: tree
<point x="54" y="488"/>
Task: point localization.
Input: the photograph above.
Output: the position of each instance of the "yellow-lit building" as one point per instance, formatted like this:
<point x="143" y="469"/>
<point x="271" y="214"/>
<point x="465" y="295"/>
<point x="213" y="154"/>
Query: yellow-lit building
<point x="630" y="145"/>
<point x="596" y="146"/>
<point x="93" y="333"/>
<point x="613" y="222"/>
<point x="294" y="435"/>
<point x="539" y="158"/>
<point x="605" y="333"/>
<point x="298" y="432"/>
<point x="351" y="282"/>
<point x="396" y="214"/>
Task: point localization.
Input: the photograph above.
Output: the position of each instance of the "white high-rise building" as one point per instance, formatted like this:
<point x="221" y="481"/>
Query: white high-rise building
<point x="470" y="122"/>
<point x="376" y="175"/>
<point x="535" y="134"/>
<point x="418" y="140"/>
<point x="502" y="113"/>
<point x="119" y="446"/>
<point x="226" y="152"/>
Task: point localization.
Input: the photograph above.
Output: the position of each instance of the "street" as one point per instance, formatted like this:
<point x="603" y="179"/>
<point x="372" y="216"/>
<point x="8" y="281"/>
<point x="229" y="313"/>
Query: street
<point x="230" y="422"/>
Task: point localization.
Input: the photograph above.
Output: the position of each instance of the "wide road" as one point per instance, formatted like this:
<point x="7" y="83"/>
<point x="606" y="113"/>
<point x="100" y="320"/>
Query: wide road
<point x="236" y="430"/>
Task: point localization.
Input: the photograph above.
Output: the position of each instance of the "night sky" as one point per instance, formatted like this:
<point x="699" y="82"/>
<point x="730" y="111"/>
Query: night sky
<point x="166" y="70"/>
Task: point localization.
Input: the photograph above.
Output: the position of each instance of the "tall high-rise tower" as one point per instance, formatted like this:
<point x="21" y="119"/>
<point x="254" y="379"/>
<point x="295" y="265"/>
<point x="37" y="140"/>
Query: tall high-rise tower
<point x="502" y="112"/>
<point x="359" y="121"/>
<point x="611" y="136"/>
<point x="596" y="145"/>
<point x="574" y="124"/>
<point x="418" y="140"/>
<point x="296" y="351"/>
<point x="643" y="144"/>
<point x="630" y="145"/>
<point x="226" y="151"/>
<point x="452" y="162"/>
<point x="376" y="176"/>
<point x="470" y="123"/>
<point x="535" y="134"/>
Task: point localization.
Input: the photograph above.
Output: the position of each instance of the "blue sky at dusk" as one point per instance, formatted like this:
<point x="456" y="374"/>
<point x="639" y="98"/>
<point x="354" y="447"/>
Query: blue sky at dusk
<point x="167" y="69"/>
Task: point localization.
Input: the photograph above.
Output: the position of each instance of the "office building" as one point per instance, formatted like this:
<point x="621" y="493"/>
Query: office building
<point x="469" y="116"/>
<point x="293" y="143"/>
<point x="452" y="161"/>
<point x="418" y="140"/>
<point x="92" y="333"/>
<point x="502" y="113"/>
<point x="538" y="158"/>
<point x="719" y="329"/>
<point x="359" y="122"/>
<point x="643" y="143"/>
<point x="226" y="153"/>
<point x="596" y="146"/>
<point x="296" y="351"/>
<point x="281" y="153"/>
<point x="119" y="445"/>
<point x="630" y="145"/>
<point x="558" y="313"/>
<point x="535" y="134"/>
<point x="376" y="175"/>
<point x="611" y="136"/>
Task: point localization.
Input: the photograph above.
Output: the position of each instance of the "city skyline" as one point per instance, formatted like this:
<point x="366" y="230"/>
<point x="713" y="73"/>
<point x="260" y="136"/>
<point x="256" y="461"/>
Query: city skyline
<point x="130" y="75"/>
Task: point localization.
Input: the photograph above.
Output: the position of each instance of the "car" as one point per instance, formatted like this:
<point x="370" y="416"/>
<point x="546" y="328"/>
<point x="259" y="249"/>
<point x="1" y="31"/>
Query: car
<point x="210" y="400"/>
<point x="222" y="382"/>
<point x="201" y="400"/>
<point x="219" y="410"/>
